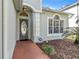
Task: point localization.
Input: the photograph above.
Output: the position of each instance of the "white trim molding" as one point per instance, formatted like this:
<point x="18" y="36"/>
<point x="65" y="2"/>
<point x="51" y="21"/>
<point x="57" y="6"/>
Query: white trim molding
<point x="26" y="18"/>
<point x="34" y="9"/>
<point x="57" y="15"/>
<point x="48" y="17"/>
<point x="48" y="26"/>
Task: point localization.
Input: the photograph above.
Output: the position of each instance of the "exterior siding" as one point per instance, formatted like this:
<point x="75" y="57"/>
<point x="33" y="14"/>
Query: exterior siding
<point x="9" y="29"/>
<point x="43" y="25"/>
<point x="0" y="29"/>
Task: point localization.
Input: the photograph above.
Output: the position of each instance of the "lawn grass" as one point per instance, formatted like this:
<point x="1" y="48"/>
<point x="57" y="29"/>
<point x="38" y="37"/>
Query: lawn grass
<point x="71" y="37"/>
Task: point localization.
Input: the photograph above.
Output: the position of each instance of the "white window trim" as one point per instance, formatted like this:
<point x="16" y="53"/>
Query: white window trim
<point x="56" y="14"/>
<point x="48" y="26"/>
<point x="63" y="26"/>
<point x="58" y="26"/>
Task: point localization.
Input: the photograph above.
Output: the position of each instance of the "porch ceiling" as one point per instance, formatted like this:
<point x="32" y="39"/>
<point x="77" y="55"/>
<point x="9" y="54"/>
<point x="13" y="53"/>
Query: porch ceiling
<point x="18" y="4"/>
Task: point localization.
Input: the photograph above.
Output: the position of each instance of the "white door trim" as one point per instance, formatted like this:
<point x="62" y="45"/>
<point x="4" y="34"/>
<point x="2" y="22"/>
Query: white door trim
<point x="26" y="18"/>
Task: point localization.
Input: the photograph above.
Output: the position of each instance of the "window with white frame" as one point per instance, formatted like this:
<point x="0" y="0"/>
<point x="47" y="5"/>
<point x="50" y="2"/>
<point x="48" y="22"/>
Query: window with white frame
<point x="50" y="26"/>
<point x="61" y="26"/>
<point x="55" y="25"/>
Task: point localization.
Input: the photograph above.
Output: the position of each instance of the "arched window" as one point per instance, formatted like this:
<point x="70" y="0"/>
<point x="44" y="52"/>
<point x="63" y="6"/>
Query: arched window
<point x="55" y="25"/>
<point x="56" y="17"/>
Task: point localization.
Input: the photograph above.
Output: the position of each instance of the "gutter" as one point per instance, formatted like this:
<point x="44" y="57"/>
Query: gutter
<point x="69" y="6"/>
<point x="56" y="11"/>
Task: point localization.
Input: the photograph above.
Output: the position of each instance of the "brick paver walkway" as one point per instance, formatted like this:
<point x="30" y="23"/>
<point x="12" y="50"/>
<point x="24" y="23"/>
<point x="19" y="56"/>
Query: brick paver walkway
<point x="28" y="50"/>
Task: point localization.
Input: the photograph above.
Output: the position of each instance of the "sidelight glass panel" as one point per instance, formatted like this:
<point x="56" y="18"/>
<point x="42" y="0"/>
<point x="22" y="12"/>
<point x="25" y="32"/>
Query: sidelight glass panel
<point x="56" y="23"/>
<point x="56" y="26"/>
<point x="50" y="26"/>
<point x="56" y="29"/>
<point x="61" y="26"/>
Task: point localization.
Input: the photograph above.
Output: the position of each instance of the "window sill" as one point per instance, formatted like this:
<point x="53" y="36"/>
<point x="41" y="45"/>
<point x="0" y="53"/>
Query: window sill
<point x="54" y="34"/>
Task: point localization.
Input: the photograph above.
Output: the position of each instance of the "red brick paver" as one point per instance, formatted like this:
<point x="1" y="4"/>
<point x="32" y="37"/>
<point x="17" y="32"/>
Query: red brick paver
<point x="28" y="50"/>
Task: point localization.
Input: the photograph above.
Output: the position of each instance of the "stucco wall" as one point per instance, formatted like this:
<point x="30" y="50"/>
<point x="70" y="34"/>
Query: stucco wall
<point x="36" y="26"/>
<point x="9" y="28"/>
<point x="0" y="29"/>
<point x="72" y="20"/>
<point x="36" y="4"/>
<point x="43" y="25"/>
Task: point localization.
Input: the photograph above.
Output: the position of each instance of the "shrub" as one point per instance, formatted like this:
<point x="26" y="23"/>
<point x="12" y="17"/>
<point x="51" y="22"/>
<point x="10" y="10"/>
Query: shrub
<point x="70" y="31"/>
<point x="48" y="49"/>
<point x="77" y="39"/>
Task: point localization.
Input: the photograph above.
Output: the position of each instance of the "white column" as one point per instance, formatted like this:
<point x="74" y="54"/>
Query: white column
<point x="36" y="25"/>
<point x="0" y="29"/>
<point x="5" y="19"/>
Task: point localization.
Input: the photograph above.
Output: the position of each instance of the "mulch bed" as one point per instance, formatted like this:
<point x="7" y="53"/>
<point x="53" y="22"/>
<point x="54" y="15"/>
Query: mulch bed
<point x="65" y="49"/>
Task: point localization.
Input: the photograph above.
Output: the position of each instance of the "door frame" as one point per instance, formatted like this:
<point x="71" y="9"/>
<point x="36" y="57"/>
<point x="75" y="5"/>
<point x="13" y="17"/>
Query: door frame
<point x="26" y="18"/>
<point x="20" y="32"/>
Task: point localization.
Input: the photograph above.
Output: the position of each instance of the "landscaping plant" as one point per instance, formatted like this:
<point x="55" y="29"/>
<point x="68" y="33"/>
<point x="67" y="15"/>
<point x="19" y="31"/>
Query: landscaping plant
<point x="71" y="31"/>
<point x="48" y="49"/>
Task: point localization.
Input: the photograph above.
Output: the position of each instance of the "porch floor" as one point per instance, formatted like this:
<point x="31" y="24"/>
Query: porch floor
<point x="28" y="50"/>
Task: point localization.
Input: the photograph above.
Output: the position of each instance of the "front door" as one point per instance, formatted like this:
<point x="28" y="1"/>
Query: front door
<point x="23" y="29"/>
